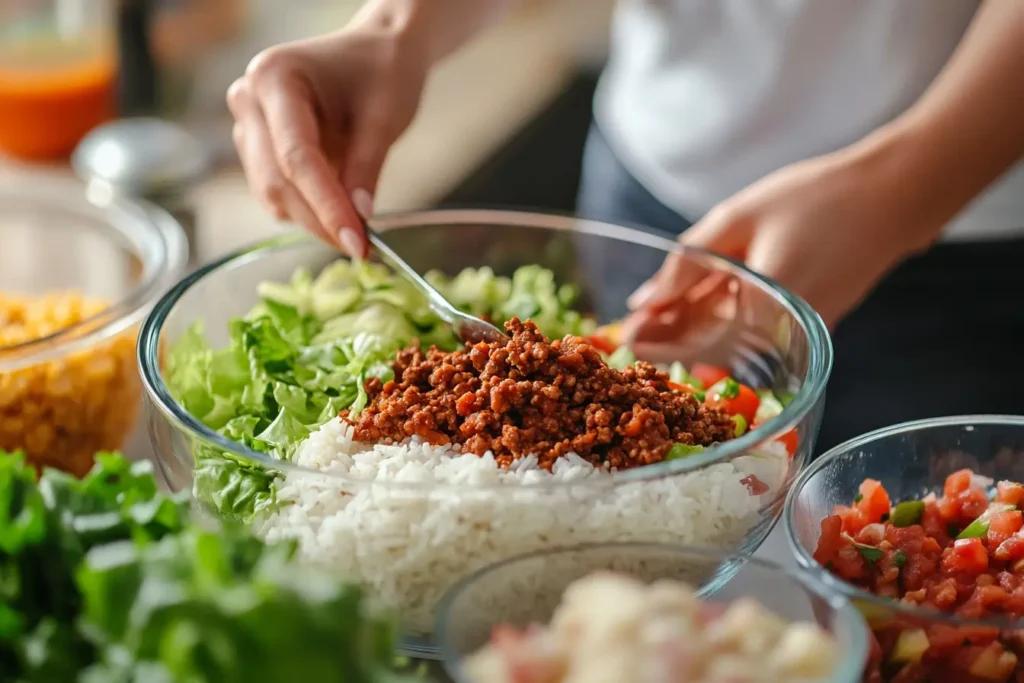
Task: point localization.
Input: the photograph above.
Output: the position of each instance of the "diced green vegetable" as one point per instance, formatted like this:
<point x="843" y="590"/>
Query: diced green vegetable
<point x="682" y="450"/>
<point x="621" y="358"/>
<point x="740" y="425"/>
<point x="979" y="527"/>
<point x="899" y="558"/>
<point x="870" y="553"/>
<point x="726" y="388"/>
<point x="907" y="513"/>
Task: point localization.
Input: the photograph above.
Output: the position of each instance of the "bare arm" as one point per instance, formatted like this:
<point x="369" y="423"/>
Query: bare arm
<point x="441" y="26"/>
<point x="968" y="128"/>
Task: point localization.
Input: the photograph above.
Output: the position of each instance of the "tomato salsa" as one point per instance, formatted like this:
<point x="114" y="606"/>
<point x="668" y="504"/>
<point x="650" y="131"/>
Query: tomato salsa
<point x="959" y="553"/>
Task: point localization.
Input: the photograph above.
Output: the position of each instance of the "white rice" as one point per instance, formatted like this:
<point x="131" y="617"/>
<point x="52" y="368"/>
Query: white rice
<point x="413" y="518"/>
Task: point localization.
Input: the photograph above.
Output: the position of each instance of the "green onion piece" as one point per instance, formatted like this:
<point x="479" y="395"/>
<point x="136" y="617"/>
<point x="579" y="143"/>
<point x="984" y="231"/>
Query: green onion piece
<point x="741" y="425"/>
<point x="870" y="554"/>
<point x="726" y="388"/>
<point x="907" y="513"/>
<point x="899" y="559"/>
<point x="699" y="395"/>
<point x="979" y="527"/>
<point x="683" y="450"/>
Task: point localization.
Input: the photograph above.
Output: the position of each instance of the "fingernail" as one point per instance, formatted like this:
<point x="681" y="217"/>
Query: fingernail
<point x="351" y="243"/>
<point x="642" y="295"/>
<point x="363" y="202"/>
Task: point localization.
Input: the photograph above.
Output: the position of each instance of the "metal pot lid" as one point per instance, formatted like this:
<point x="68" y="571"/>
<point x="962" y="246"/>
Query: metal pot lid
<point x="142" y="157"/>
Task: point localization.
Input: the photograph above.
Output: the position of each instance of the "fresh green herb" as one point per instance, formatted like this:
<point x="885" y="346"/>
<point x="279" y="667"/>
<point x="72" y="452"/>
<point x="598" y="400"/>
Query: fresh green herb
<point x="682" y="450"/>
<point x="907" y="513"/>
<point x="105" y="580"/>
<point x="858" y="498"/>
<point x="726" y="388"/>
<point x="869" y="553"/>
<point x="739" y="425"/>
<point x="899" y="559"/>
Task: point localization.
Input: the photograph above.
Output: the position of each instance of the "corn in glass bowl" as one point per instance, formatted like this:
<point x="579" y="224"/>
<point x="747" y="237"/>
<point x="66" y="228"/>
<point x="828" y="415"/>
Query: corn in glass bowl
<point x="410" y="540"/>
<point x="525" y="591"/>
<point x="76" y="279"/>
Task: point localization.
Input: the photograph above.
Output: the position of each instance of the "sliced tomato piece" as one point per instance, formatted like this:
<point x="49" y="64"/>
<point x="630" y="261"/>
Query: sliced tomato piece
<point x="1011" y="549"/>
<point x="1003" y="525"/>
<point x="958" y="482"/>
<point x="602" y="344"/>
<point x="830" y="541"/>
<point x="873" y="500"/>
<point x="1010" y="492"/>
<point x="853" y="519"/>
<point x="734" y="398"/>
<point x="708" y="374"/>
<point x="967" y="555"/>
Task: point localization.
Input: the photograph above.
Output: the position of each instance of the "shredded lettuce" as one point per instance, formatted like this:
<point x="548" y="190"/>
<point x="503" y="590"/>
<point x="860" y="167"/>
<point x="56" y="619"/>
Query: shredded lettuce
<point x="306" y="350"/>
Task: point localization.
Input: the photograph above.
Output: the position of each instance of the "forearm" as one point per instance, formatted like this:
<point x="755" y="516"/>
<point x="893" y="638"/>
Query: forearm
<point x="439" y="26"/>
<point x="968" y="128"/>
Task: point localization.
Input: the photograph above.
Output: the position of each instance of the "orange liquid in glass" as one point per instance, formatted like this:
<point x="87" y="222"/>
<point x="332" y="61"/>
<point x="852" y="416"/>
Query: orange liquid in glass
<point x="46" y="111"/>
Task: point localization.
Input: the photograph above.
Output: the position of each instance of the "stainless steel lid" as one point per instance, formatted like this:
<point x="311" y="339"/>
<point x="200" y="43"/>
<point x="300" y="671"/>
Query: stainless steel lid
<point x="145" y="157"/>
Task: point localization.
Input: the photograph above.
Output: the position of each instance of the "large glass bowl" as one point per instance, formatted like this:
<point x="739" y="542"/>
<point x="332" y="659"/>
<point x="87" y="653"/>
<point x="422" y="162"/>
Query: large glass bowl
<point x="527" y="590"/>
<point x="768" y="337"/>
<point x="911" y="460"/>
<point x="76" y="279"/>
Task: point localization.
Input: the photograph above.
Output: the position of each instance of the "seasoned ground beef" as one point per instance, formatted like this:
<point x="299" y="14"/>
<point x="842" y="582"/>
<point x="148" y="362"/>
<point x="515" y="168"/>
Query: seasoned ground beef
<point x="529" y="395"/>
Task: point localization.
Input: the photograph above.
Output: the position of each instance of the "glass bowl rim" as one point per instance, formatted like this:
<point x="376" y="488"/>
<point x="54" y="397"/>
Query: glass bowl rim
<point x="854" y="653"/>
<point x="812" y="389"/>
<point x="809" y="564"/>
<point x="161" y="248"/>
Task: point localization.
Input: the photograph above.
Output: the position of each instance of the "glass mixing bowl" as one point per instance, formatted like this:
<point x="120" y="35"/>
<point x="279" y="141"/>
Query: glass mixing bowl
<point x="527" y="590"/>
<point x="410" y="541"/>
<point x="76" y="279"/>
<point x="911" y="460"/>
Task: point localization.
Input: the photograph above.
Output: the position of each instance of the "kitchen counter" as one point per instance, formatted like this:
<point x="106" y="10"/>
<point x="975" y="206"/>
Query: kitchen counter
<point x="474" y="101"/>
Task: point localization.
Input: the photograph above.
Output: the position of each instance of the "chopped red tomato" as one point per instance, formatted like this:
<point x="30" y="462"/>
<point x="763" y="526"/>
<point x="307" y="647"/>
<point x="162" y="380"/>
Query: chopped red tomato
<point x="602" y="344"/>
<point x="1010" y="492"/>
<point x="736" y="400"/>
<point x="967" y="555"/>
<point x="958" y="482"/>
<point x="873" y="501"/>
<point x="1011" y="549"/>
<point x="755" y="485"/>
<point x="830" y="540"/>
<point x="853" y="519"/>
<point x="1003" y="525"/>
<point x="708" y="374"/>
<point x="790" y="441"/>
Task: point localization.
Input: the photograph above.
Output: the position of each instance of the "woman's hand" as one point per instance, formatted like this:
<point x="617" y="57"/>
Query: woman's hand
<point x="316" y="117"/>
<point x="827" y="229"/>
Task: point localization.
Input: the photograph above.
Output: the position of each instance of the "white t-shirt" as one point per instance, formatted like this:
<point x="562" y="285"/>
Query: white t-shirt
<point x="703" y="97"/>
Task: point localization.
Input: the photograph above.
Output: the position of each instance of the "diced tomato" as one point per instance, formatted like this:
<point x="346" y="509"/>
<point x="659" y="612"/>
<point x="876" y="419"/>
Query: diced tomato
<point x="602" y="344"/>
<point x="744" y="403"/>
<point x="830" y="541"/>
<point x="853" y="519"/>
<point x="1011" y="549"/>
<point x="957" y="482"/>
<point x="683" y="387"/>
<point x="1010" y="492"/>
<point x="790" y="441"/>
<point x="708" y="374"/>
<point x="873" y="500"/>
<point x="1003" y="525"/>
<point x="755" y="485"/>
<point x="967" y="555"/>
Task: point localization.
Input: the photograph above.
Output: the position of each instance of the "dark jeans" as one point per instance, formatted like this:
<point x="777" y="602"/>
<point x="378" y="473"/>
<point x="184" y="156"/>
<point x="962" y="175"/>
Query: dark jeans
<point x="943" y="334"/>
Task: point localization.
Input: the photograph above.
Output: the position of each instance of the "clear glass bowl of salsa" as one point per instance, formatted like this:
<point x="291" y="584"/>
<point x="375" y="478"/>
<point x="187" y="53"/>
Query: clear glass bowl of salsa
<point x="920" y="525"/>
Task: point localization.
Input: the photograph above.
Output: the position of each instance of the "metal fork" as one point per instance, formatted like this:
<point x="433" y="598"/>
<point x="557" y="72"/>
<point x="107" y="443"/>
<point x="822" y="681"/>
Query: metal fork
<point x="469" y="329"/>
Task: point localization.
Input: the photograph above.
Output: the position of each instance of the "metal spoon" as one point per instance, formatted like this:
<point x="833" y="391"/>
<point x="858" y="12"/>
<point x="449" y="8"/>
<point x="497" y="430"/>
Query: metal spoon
<point x="469" y="329"/>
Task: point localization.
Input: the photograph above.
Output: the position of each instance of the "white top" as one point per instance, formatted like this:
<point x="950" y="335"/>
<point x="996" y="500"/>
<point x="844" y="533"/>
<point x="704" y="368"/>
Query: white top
<point x="703" y="97"/>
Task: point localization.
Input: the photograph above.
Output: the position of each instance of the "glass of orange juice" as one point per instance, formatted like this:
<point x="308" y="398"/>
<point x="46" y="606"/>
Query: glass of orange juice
<point x="58" y="66"/>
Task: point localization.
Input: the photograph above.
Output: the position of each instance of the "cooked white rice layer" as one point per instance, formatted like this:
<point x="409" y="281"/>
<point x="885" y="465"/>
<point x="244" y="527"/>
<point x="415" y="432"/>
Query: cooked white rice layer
<point x="413" y="518"/>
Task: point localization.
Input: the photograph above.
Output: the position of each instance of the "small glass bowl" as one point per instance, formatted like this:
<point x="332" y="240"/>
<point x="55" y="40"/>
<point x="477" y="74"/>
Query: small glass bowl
<point x="527" y="589"/>
<point x="910" y="460"/>
<point x="76" y="279"/>
<point x="768" y="338"/>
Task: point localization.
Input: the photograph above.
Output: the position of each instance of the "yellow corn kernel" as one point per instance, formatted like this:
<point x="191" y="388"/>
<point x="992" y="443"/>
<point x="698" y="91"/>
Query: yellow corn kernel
<point x="63" y="411"/>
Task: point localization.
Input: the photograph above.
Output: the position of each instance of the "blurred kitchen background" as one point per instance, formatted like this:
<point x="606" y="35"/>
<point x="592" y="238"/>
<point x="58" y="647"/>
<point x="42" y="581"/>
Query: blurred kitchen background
<point x="502" y="124"/>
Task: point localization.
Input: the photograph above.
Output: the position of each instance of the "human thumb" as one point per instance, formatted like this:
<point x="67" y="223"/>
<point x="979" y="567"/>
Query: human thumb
<point x="720" y="232"/>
